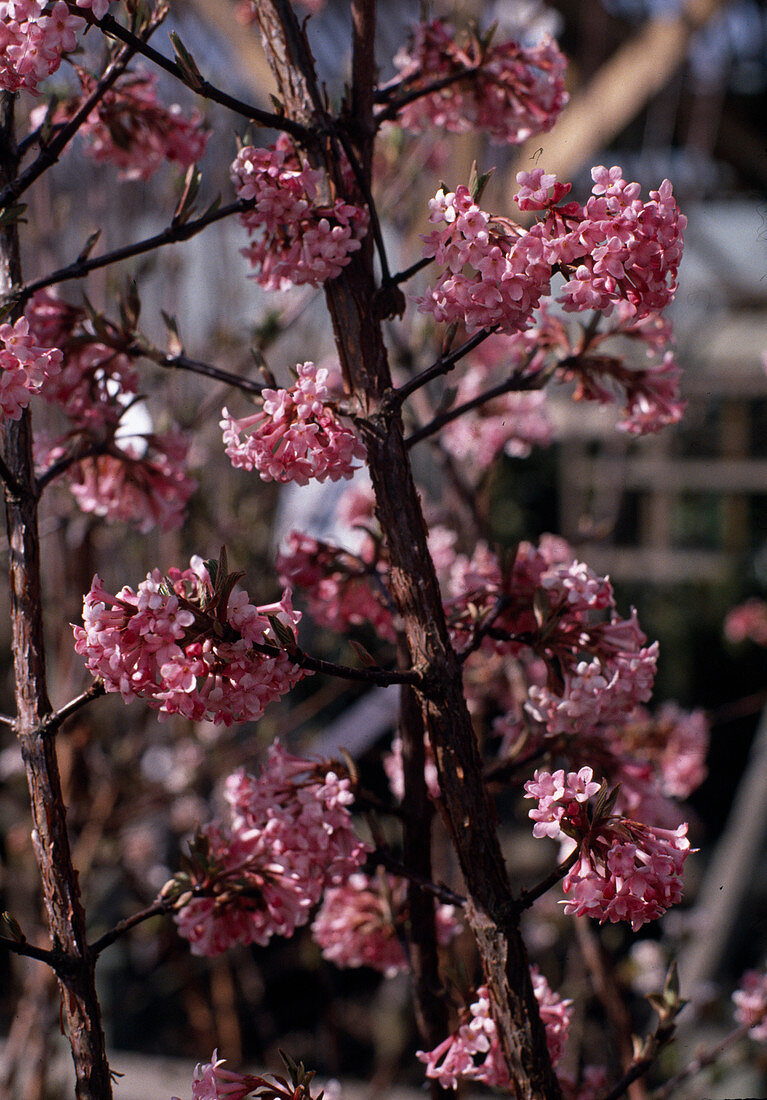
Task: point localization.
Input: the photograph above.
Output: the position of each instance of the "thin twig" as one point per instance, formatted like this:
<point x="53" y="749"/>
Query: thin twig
<point x="518" y="383"/>
<point x="196" y="366"/>
<point x="383" y="677"/>
<point x="409" y="272"/>
<point x="173" y="234"/>
<point x="53" y="721"/>
<point x="109" y="25"/>
<point x="441" y="366"/>
<point x="528" y="897"/>
<point x="638" y="1069"/>
<point x="394" y="106"/>
<point x="29" y="951"/>
<point x="52" y="150"/>
<point x="56" y="469"/>
<point x="701" y="1062"/>
<point x="384" y="859"/>
<point x="155" y="909"/>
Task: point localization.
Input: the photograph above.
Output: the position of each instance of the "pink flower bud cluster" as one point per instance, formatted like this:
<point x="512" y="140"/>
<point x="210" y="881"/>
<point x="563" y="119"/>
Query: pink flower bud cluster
<point x="599" y="668"/>
<point x="212" y="1082"/>
<point x="473" y="1052"/>
<point x="748" y="620"/>
<point x="131" y="129"/>
<point x="146" y="490"/>
<point x="344" y="590"/>
<point x="508" y="91"/>
<point x="25" y="367"/>
<point x="33" y="37"/>
<point x="361" y="923"/>
<point x="301" y="239"/>
<point x="616" y="250"/>
<point x="751" y="1003"/>
<point x="187" y="647"/>
<point x="625" y="871"/>
<point x="296" y="436"/>
<point x="289" y="837"/>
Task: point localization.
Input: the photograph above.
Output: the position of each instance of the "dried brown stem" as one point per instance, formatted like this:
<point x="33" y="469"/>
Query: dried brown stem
<point x="66" y="917"/>
<point x="492" y="911"/>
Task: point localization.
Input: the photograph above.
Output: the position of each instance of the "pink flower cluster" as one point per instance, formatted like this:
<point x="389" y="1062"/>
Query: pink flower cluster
<point x="625" y="871"/>
<point x="361" y="923"/>
<point x="141" y="480"/>
<point x="495" y="273"/>
<point x="751" y="1003"/>
<point x="290" y="836"/>
<point x="343" y="589"/>
<point x="33" y="37"/>
<point x="598" y="666"/>
<point x="131" y="129"/>
<point x="748" y="620"/>
<point x="186" y="646"/>
<point x="473" y="1052"/>
<point x="301" y="239"/>
<point x="507" y="90"/>
<point x="296" y="436"/>
<point x="616" y="250"/>
<point x="25" y="367"/>
<point x="146" y="490"/>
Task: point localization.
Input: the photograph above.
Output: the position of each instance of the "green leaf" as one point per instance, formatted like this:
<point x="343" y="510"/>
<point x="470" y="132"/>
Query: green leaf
<point x="478" y="181"/>
<point x="12" y="214"/>
<point x="187" y="64"/>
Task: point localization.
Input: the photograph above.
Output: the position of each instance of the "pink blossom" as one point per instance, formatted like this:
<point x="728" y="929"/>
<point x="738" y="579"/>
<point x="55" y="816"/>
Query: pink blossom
<point x="131" y="129"/>
<point x="296" y="436"/>
<point x="510" y="91"/>
<point x="751" y="1003"/>
<point x="361" y="923"/>
<point x="473" y="1052"/>
<point x="392" y="763"/>
<point x="495" y="275"/>
<point x="289" y="836"/>
<point x="145" y="490"/>
<point x="166" y="644"/>
<point x="212" y="1082"/>
<point x="343" y="589"/>
<point x="25" y="367"/>
<point x="301" y="240"/>
<point x="34" y="36"/>
<point x="625" y="871"/>
<point x="748" y="620"/>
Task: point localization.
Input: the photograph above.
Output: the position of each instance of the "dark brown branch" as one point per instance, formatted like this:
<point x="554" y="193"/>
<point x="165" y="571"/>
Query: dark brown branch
<point x="529" y="897"/>
<point x="409" y="272"/>
<point x="7" y="477"/>
<point x="56" y="469"/>
<point x="196" y="366"/>
<point x="52" y="150"/>
<point x="441" y="366"/>
<point x="429" y="1004"/>
<point x="394" y="106"/>
<point x="436" y="889"/>
<point x="381" y="676"/>
<point x="518" y="383"/>
<point x="109" y="25"/>
<point x="156" y="909"/>
<point x="638" y="1069"/>
<point x="174" y="234"/>
<point x="468" y="810"/>
<point x="29" y="951"/>
<point x="53" y="721"/>
<point x="81" y="1013"/>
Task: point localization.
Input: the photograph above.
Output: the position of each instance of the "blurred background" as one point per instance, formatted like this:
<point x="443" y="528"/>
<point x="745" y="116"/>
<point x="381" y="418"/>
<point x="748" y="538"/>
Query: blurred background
<point x="663" y="88"/>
